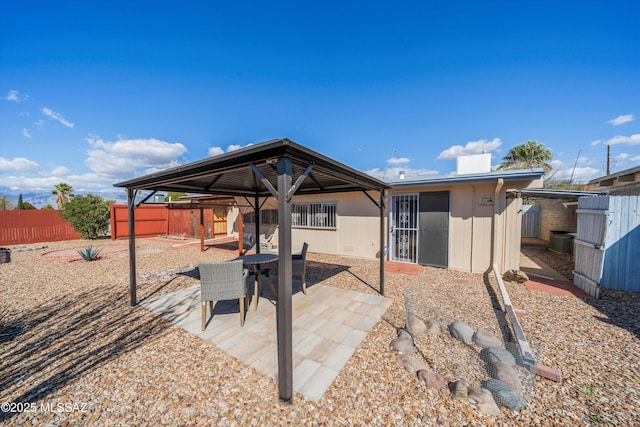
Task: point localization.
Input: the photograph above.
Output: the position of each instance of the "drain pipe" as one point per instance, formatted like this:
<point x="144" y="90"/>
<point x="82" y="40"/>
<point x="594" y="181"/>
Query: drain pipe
<point x="525" y="350"/>
<point x="494" y="240"/>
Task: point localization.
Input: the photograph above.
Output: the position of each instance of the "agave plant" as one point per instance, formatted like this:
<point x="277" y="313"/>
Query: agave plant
<point x="90" y="253"/>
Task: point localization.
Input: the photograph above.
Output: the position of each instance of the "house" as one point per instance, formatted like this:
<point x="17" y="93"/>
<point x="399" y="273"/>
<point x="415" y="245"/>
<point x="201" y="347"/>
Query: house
<point x="465" y="221"/>
<point x="622" y="183"/>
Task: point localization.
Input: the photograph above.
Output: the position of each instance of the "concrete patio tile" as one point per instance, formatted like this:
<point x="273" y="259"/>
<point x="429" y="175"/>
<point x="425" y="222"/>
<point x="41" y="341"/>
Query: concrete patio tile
<point x="322" y="350"/>
<point x="304" y="371"/>
<point x="353" y="320"/>
<point x="307" y="344"/>
<point x="315" y="386"/>
<point x="339" y="357"/>
<point x="367" y="323"/>
<point x="249" y="351"/>
<point x="354" y="338"/>
<point x="328" y="325"/>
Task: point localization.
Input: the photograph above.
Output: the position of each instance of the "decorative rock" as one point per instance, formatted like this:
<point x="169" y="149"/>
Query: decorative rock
<point x="515" y="276"/>
<point x="505" y="373"/>
<point x="482" y="400"/>
<point x="504" y="395"/>
<point x="461" y="331"/>
<point x="403" y="346"/>
<point x="497" y="354"/>
<point x="412" y="364"/>
<point x="483" y="339"/>
<point x="431" y="378"/>
<point x="436" y="327"/>
<point x="459" y="389"/>
<point x="416" y="326"/>
<point x="403" y="333"/>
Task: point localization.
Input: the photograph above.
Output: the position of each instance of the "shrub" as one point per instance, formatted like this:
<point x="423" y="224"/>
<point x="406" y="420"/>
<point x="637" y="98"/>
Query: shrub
<point x="90" y="253"/>
<point x="88" y="215"/>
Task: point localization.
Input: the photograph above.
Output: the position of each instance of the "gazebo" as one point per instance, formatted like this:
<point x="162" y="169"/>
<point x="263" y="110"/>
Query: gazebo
<point x="256" y="172"/>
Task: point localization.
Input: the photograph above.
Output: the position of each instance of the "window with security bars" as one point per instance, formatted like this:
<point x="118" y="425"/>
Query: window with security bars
<point x="314" y="215"/>
<point x="267" y="217"/>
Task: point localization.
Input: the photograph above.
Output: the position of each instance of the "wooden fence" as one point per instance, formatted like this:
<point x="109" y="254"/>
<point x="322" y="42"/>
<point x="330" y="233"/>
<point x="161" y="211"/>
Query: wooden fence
<point x="608" y="244"/>
<point x="19" y="227"/>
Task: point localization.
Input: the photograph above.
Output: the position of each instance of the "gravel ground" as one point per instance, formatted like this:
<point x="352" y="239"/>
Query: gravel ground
<point x="74" y="351"/>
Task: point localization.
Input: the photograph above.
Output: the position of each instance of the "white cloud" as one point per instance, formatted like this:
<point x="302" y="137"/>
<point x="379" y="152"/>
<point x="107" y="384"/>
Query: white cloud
<point x="596" y="142"/>
<point x="398" y="161"/>
<point x="15" y="96"/>
<point x="214" y="151"/>
<point x="620" y="120"/>
<point x="472" y="147"/>
<point x="60" y="171"/>
<point x="127" y="157"/>
<point x="626" y="140"/>
<point x="57" y="117"/>
<point x="577" y="176"/>
<point x="635" y="159"/>
<point x="26" y="133"/>
<point x="18" y="165"/>
<point x="622" y="157"/>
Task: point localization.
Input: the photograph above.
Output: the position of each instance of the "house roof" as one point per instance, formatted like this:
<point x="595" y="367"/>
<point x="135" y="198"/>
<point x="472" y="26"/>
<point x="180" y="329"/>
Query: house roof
<point x="544" y="193"/>
<point x="507" y="175"/>
<point x="233" y="173"/>
<point x="616" y="175"/>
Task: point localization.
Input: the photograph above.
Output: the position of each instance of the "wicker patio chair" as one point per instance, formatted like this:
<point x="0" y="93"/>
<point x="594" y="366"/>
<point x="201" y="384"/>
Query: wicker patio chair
<point x="221" y="281"/>
<point x="299" y="266"/>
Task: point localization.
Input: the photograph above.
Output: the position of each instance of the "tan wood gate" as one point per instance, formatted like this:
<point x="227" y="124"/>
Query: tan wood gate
<point x="219" y="222"/>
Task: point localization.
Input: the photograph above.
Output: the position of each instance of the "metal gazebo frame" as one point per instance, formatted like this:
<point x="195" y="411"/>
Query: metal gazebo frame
<point x="262" y="170"/>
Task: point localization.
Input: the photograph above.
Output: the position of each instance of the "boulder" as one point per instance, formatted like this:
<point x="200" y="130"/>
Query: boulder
<point x="504" y="395"/>
<point x="431" y="379"/>
<point x="412" y="364"/>
<point x="482" y="400"/>
<point x="461" y="331"/>
<point x="459" y="389"/>
<point x="403" y="333"/>
<point x="483" y="339"/>
<point x="497" y="354"/>
<point x="403" y="346"/>
<point x="515" y="276"/>
<point x="416" y="326"/>
<point x="436" y="327"/>
<point x="505" y="373"/>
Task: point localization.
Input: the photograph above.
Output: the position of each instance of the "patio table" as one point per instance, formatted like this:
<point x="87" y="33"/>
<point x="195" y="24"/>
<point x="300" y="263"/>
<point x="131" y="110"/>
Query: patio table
<point x="259" y="263"/>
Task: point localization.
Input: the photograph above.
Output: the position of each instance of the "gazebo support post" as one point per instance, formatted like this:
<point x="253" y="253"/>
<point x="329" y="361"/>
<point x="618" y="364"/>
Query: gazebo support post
<point x="284" y="316"/>
<point x="131" y="199"/>
<point x="382" y="254"/>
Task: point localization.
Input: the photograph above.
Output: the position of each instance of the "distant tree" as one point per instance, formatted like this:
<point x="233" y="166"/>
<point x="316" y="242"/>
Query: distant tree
<point x="47" y="208"/>
<point x="529" y="155"/>
<point x="63" y="192"/>
<point x="20" y="205"/>
<point x="173" y="196"/>
<point x="88" y="215"/>
<point x="5" y="204"/>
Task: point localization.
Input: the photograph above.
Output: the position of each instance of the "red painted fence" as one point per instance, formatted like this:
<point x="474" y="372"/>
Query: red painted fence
<point x="19" y="227"/>
<point x="151" y="220"/>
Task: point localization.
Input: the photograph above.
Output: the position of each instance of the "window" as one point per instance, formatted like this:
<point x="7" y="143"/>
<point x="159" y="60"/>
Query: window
<point x="267" y="217"/>
<point x="314" y="215"/>
<point x="311" y="215"/>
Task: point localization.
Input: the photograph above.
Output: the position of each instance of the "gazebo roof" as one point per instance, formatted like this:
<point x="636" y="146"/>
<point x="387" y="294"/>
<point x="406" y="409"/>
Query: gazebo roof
<point x="233" y="173"/>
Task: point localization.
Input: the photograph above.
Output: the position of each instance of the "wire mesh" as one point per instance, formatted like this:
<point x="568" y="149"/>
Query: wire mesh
<point x="456" y="360"/>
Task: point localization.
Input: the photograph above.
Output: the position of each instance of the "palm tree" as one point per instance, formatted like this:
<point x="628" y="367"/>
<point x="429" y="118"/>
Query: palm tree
<point x="62" y="191"/>
<point x="530" y="155"/>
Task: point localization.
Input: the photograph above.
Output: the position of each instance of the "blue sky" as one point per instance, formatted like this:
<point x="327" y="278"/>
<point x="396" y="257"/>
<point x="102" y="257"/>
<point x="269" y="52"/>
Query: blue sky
<point x="95" y="93"/>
